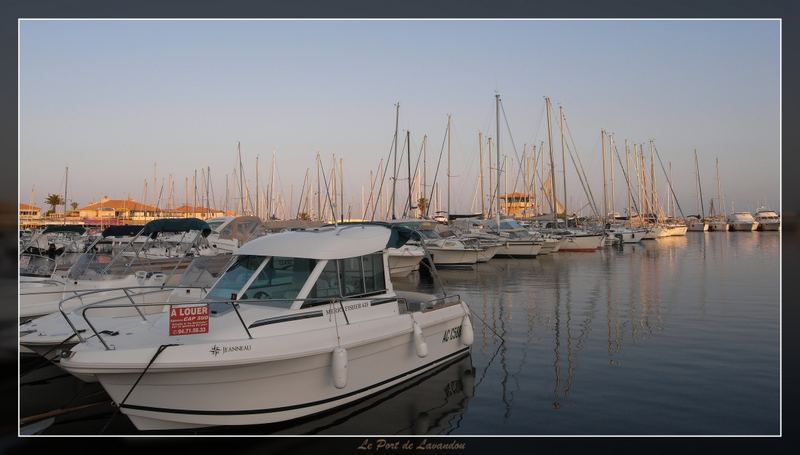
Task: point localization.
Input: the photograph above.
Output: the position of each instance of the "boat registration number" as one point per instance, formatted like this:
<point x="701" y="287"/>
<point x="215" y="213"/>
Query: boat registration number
<point x="451" y="334"/>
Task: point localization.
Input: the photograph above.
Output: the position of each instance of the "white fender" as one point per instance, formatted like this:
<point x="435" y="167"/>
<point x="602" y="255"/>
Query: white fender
<point x="419" y="341"/>
<point x="339" y="367"/>
<point x="467" y="336"/>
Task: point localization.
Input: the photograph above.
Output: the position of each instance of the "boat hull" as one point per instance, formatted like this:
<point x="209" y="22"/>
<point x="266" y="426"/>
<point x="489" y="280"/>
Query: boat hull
<point x="581" y="243"/>
<point x="743" y="226"/>
<point x="400" y="266"/>
<point x="519" y="249"/>
<point x="717" y="227"/>
<point x="769" y="227"/>
<point x="445" y="257"/>
<point x="177" y="394"/>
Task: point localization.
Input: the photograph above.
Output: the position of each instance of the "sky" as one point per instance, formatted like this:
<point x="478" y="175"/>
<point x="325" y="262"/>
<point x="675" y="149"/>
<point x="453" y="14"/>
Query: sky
<point x="121" y="101"/>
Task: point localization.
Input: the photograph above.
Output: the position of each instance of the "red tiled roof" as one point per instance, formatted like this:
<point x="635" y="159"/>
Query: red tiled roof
<point x="120" y="204"/>
<point x="27" y="207"/>
<point x="189" y="209"/>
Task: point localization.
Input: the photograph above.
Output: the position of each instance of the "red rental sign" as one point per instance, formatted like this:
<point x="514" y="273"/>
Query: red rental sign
<point x="188" y="320"/>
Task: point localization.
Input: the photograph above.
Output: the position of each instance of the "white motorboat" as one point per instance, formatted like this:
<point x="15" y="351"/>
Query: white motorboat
<point x="48" y="254"/>
<point x="49" y="335"/>
<point x="404" y="260"/>
<point x="624" y="234"/>
<point x="95" y="270"/>
<point x="447" y="251"/>
<point x="767" y="220"/>
<point x="301" y="322"/>
<point x="742" y="221"/>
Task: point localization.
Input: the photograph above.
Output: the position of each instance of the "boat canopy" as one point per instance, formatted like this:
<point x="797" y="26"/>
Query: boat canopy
<point x="126" y="230"/>
<point x="241" y="228"/>
<point x="176" y="225"/>
<point x="64" y="228"/>
<point x="344" y="241"/>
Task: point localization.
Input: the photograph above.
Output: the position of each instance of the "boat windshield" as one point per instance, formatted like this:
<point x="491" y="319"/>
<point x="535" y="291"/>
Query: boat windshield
<point x="259" y="277"/>
<point x="215" y="224"/>
<point x="429" y="234"/>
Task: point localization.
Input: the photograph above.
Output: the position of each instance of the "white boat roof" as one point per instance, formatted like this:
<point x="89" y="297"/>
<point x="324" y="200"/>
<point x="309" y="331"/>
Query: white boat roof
<point x="322" y="243"/>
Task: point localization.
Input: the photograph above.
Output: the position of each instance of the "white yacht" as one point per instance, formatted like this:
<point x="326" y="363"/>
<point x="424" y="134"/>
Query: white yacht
<point x="301" y="322"/>
<point x="742" y="221"/>
<point x="768" y="220"/>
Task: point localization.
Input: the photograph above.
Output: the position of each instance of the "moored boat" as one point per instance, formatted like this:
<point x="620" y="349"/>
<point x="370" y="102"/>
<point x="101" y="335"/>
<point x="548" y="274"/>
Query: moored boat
<point x="301" y="322"/>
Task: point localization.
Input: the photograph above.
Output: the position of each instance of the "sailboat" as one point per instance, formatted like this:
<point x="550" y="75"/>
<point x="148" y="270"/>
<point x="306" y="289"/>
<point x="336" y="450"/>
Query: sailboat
<point x="717" y="222"/>
<point x="697" y="222"/>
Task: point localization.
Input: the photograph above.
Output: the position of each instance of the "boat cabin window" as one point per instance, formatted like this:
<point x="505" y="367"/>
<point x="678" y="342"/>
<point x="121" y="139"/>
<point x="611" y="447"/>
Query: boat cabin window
<point x="356" y="276"/>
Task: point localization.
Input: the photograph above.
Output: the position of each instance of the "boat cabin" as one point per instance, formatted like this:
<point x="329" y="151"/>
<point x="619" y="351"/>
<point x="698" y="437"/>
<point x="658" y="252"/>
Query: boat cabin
<point x="299" y="269"/>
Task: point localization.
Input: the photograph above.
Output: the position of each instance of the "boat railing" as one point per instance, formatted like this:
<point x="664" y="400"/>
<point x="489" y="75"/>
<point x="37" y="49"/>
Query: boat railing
<point x="336" y="302"/>
<point x="128" y="292"/>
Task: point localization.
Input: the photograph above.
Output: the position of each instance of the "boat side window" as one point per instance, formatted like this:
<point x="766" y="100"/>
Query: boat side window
<point x="350" y="277"/>
<point x="281" y="279"/>
<point x="374" y="279"/>
<point x="327" y="284"/>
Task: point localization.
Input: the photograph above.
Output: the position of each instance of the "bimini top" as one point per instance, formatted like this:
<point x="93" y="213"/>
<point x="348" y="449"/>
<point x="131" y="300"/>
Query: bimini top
<point x="341" y="242"/>
<point x="126" y="230"/>
<point x="176" y="225"/>
<point x="64" y="228"/>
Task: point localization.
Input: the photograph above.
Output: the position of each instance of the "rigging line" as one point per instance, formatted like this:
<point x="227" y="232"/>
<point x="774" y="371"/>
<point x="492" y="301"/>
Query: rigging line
<point x="414" y="177"/>
<point x="580" y="163"/>
<point x="668" y="179"/>
<point x="513" y="145"/>
<point x="328" y="194"/>
<point x="302" y="193"/>
<point x="383" y="177"/>
<point x="436" y="174"/>
<point x="394" y="187"/>
<point x="627" y="180"/>
<point x="589" y="196"/>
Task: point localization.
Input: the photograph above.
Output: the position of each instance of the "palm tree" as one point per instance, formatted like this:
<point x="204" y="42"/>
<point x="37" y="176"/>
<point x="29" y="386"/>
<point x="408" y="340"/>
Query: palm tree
<point x="53" y="200"/>
<point x="74" y="205"/>
<point x="422" y="205"/>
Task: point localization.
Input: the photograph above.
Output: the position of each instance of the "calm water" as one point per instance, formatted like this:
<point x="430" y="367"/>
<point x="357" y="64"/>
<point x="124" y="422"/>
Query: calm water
<point x="675" y="336"/>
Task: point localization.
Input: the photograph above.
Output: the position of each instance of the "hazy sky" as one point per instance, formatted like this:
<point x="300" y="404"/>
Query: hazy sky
<point x="111" y="98"/>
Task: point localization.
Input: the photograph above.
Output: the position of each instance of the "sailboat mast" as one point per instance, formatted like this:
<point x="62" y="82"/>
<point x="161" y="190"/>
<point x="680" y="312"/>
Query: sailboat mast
<point x="480" y="167"/>
<point x="612" y="146"/>
<point x="563" y="162"/>
<point x="449" y="135"/>
<point x="319" y="205"/>
<point x="719" y="193"/>
<point x="258" y="206"/>
<point x="341" y="189"/>
<point x="603" y="159"/>
<point x="652" y="182"/>
<point x="394" y="181"/>
<point x="497" y="163"/>
<point x="491" y="179"/>
<point x="552" y="167"/>
<point x="408" y="160"/>
<point x="628" y="172"/>
<point x="66" y="178"/>
<point x="699" y="187"/>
